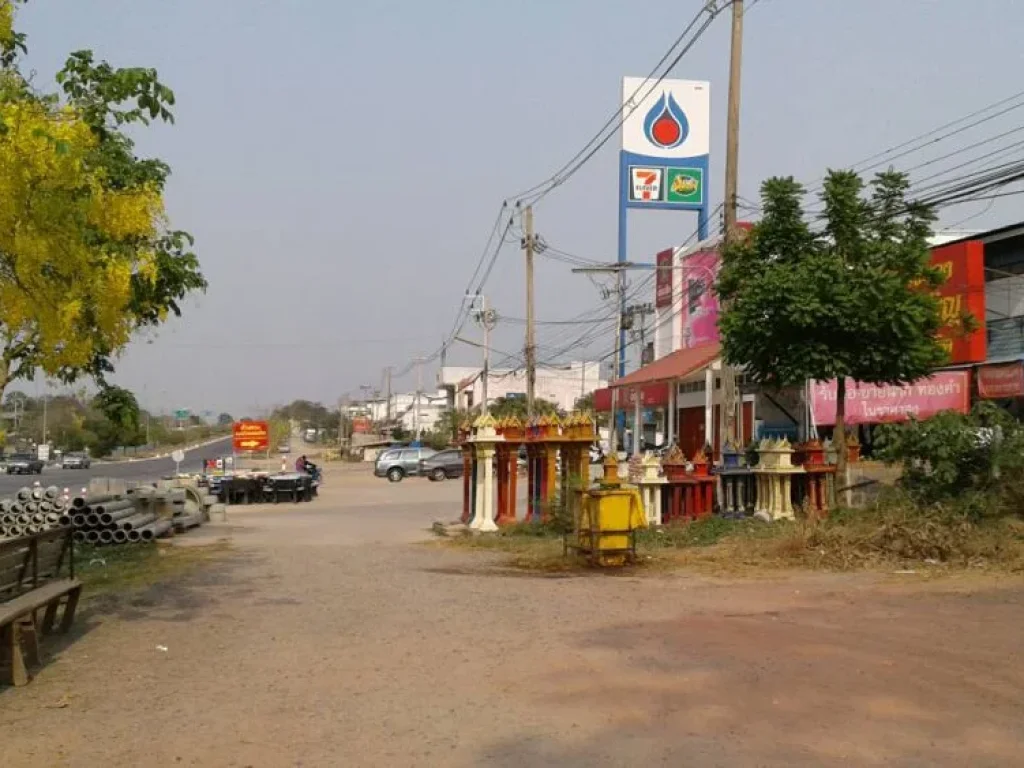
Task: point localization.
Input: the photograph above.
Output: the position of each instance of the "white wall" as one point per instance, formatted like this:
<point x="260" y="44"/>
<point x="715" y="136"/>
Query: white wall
<point x="562" y="386"/>
<point x="1004" y="297"/>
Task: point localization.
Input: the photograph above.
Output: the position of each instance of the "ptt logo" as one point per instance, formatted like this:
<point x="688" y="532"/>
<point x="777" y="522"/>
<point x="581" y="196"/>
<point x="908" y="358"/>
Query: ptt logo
<point x="665" y="124"/>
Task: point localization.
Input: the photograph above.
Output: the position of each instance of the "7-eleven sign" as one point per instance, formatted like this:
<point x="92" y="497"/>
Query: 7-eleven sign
<point x="645" y="184"/>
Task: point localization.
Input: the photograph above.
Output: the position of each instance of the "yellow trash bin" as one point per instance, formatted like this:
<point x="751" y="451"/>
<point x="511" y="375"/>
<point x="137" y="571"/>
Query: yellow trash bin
<point x="609" y="519"/>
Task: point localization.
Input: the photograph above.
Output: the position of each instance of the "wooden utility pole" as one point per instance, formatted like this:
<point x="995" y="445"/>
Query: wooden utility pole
<point x="729" y="410"/>
<point x="531" y="348"/>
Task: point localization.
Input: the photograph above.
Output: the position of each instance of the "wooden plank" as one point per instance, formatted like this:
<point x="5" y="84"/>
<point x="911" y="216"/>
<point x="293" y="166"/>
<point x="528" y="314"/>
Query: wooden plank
<point x="15" y="556"/>
<point x="35" y="599"/>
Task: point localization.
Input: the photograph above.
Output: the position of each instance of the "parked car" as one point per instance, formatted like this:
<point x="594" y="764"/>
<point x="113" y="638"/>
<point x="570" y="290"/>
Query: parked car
<point x="75" y="461"/>
<point x="284" y="448"/>
<point x="446" y="464"/>
<point x="24" y="464"/>
<point x="397" y="464"/>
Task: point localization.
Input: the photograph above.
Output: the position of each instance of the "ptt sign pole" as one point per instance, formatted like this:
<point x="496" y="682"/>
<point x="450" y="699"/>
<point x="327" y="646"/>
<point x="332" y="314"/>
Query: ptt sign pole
<point x="663" y="163"/>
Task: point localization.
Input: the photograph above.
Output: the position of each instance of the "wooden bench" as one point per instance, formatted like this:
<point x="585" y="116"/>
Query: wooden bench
<point x="37" y="573"/>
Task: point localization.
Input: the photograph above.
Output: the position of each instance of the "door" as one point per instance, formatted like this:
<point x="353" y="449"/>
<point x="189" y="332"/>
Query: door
<point x="410" y="460"/>
<point x="691" y="430"/>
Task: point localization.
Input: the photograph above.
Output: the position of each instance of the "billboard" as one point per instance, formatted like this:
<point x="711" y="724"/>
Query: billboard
<point x="664" y="280"/>
<point x="962" y="295"/>
<point x="362" y="425"/>
<point x="666" y="139"/>
<point x="699" y="310"/>
<point x="250" y="436"/>
<point x="879" y="403"/>
<point x="1001" y="381"/>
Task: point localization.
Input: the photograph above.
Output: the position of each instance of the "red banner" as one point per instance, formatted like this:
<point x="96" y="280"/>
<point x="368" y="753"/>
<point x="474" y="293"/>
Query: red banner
<point x="999" y="381"/>
<point x="874" y="404"/>
<point x="362" y="425"/>
<point x="962" y="295"/>
<point x="652" y="396"/>
<point x="664" y="280"/>
<point x="250" y="436"/>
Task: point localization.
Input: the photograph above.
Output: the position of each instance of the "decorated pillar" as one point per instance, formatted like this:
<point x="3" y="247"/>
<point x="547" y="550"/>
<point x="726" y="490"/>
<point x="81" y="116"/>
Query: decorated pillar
<point x="508" y="468"/>
<point x="651" y="482"/>
<point x="775" y="472"/>
<point x="485" y="440"/>
<point x="468" y="481"/>
<point x="532" y="471"/>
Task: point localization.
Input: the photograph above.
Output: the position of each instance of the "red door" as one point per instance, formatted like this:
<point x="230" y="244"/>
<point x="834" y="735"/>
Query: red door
<point x="691" y="430"/>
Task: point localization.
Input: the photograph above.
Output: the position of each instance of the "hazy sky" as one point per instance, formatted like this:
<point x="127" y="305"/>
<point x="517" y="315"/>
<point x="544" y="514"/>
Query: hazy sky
<point x="341" y="163"/>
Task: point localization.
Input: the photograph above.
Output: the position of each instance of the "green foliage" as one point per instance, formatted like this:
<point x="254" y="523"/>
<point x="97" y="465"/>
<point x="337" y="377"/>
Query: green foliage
<point x="953" y="454"/>
<point x="504" y="407"/>
<point x="225" y="420"/>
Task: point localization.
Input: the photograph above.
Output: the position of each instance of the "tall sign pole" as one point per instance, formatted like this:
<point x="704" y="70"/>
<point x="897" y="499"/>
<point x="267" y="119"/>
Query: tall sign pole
<point x="730" y="415"/>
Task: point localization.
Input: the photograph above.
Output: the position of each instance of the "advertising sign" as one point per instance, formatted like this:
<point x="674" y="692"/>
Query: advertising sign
<point x="876" y="404"/>
<point x="666" y="139"/>
<point x="1000" y="381"/>
<point x="362" y="425"/>
<point x="962" y="295"/>
<point x="664" y="281"/>
<point x="250" y="436"/>
<point x="699" y="312"/>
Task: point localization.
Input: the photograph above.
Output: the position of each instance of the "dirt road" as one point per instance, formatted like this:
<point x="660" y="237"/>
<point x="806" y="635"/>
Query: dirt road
<point x="330" y="637"/>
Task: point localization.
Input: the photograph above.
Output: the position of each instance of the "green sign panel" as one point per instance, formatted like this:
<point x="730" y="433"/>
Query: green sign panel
<point x="181" y="414"/>
<point x="684" y="185"/>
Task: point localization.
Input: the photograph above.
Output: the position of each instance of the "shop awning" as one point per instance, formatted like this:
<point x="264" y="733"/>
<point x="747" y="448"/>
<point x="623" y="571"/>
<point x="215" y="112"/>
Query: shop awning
<point x="677" y="365"/>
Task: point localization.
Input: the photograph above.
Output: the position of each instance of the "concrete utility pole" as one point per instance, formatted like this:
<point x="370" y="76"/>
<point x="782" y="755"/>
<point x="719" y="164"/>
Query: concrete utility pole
<point x="387" y="395"/>
<point x="531" y="348"/>
<point x="729" y="409"/>
<point x="416" y="405"/>
<point x="487" y="318"/>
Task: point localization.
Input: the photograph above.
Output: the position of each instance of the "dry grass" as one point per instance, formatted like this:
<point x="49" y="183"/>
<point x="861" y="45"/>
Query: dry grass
<point x="104" y="570"/>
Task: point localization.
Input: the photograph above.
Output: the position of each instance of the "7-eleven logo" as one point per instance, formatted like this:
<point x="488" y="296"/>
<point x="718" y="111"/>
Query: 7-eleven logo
<point x="645" y="184"/>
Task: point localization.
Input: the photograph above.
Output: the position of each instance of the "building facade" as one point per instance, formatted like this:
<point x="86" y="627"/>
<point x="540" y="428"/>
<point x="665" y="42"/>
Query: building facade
<point x="562" y="385"/>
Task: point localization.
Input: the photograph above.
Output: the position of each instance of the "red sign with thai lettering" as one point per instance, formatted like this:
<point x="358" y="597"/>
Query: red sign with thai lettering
<point x="250" y="436"/>
<point x="664" y="280"/>
<point x="962" y="295"/>
<point x="875" y="404"/>
<point x="361" y="425"/>
<point x="999" y="381"/>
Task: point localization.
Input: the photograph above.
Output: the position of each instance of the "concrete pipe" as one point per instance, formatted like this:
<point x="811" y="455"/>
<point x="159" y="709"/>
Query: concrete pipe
<point x="155" y="530"/>
<point x="92" y="520"/>
<point x="24" y="519"/>
<point x="184" y="522"/>
<point x="109" y="518"/>
<point x="140" y="520"/>
<point x="64" y="519"/>
<point x="52" y="492"/>
<point x="32" y="506"/>
<point x="38" y="518"/>
<point x="120" y="537"/>
<point x="24" y="494"/>
<point x="78" y="521"/>
<point x="31" y="529"/>
<point x="14" y="530"/>
<point x="53" y="517"/>
<point x="106" y="537"/>
<point x="37" y="493"/>
<point x="92" y="537"/>
<point x="78" y="536"/>
<point x="113" y="506"/>
<point x="134" y="536"/>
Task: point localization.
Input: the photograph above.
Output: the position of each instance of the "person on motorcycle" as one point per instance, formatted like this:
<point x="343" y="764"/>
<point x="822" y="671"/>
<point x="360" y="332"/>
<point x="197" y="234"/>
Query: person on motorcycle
<point x="300" y="464"/>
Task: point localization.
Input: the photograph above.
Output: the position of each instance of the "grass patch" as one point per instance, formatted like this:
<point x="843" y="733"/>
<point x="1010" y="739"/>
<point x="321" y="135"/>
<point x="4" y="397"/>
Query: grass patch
<point x="893" y="533"/>
<point x="104" y="570"/>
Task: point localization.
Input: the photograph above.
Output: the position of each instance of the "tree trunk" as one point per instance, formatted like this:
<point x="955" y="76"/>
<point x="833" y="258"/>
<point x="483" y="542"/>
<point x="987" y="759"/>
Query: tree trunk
<point x="839" y="441"/>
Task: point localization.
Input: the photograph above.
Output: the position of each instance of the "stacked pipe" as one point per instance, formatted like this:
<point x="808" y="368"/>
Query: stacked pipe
<point x="114" y="519"/>
<point x="32" y="510"/>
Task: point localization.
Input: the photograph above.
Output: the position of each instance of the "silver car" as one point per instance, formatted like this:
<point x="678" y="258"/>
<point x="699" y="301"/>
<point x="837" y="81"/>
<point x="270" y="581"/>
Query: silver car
<point x="398" y="463"/>
<point x="75" y="461"/>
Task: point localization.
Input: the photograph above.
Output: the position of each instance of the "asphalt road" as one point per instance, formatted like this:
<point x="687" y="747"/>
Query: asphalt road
<point x="145" y="469"/>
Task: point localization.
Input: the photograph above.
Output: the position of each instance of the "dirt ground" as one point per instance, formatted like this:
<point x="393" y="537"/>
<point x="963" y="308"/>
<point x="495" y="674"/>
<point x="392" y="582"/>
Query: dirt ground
<point x="330" y="635"/>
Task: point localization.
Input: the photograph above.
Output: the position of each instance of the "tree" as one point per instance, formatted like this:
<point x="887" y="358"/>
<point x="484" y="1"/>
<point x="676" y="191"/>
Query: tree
<point x="503" y="407"/>
<point x="851" y="300"/>
<point x="87" y="258"/>
<point x="225" y="420"/>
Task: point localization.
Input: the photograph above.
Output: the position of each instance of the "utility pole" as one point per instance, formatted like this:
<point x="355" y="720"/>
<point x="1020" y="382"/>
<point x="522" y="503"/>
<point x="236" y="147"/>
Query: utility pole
<point x="45" y="399"/>
<point x="730" y="406"/>
<point x="416" y="405"/>
<point x="387" y="395"/>
<point x="487" y="318"/>
<point x="531" y="349"/>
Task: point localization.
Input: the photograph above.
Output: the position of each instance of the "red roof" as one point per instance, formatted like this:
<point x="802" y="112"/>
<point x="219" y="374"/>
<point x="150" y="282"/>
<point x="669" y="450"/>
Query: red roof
<point x="676" y="365"/>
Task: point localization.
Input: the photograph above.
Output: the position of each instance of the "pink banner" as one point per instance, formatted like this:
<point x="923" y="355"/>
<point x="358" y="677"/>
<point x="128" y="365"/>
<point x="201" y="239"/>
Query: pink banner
<point x="873" y="404"/>
<point x="700" y="303"/>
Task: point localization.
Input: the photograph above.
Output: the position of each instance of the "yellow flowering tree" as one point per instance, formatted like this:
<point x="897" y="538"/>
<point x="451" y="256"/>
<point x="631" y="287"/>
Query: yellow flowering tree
<point x="87" y="257"/>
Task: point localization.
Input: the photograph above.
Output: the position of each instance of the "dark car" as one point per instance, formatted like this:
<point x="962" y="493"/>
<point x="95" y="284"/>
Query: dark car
<point x="24" y="464"/>
<point x="446" y="464"/>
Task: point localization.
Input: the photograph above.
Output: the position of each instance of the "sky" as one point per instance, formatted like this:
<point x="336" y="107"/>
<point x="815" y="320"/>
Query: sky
<point x="341" y="163"/>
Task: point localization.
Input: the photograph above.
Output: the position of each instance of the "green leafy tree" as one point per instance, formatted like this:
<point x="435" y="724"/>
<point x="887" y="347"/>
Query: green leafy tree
<point x="225" y="420"/>
<point x="503" y="407"/>
<point x="849" y="300"/>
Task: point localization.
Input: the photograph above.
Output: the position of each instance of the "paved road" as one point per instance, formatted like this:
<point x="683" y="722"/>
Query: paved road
<point x="146" y="469"/>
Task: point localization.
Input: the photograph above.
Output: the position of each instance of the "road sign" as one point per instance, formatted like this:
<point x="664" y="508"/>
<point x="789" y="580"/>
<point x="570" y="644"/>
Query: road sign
<point x="250" y="436"/>
<point x="182" y="414"/>
<point x="178" y="456"/>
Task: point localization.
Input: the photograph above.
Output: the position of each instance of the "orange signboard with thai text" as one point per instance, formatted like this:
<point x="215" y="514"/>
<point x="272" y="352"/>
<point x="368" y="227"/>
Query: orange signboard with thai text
<point x="961" y="296"/>
<point x="250" y="436"/>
